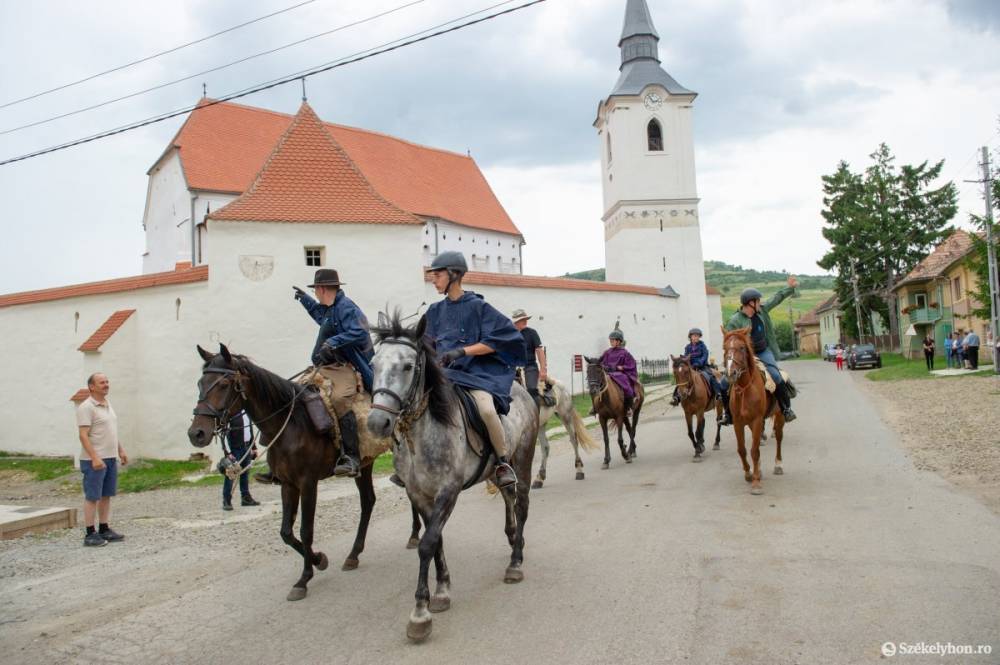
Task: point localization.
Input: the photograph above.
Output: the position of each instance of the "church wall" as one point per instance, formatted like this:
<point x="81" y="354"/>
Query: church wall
<point x="571" y="322"/>
<point x="713" y="333"/>
<point x="486" y="251"/>
<point x="167" y="217"/>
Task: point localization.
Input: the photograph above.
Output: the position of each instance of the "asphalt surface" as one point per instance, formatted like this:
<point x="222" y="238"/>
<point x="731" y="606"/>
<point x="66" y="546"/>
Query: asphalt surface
<point x="659" y="561"/>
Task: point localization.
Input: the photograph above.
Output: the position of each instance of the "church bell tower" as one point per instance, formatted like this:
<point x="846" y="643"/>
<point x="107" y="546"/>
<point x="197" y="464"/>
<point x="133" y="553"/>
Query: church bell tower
<point x="651" y="230"/>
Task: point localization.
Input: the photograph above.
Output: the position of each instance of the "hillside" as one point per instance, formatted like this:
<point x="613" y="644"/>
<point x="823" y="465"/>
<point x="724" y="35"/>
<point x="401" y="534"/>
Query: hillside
<point x="730" y="280"/>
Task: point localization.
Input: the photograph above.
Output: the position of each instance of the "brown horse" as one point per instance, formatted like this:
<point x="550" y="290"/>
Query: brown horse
<point x="750" y="403"/>
<point x="609" y="405"/>
<point x="696" y="398"/>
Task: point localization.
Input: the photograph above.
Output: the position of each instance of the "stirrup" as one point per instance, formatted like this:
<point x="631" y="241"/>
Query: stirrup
<point x="496" y="474"/>
<point x="397" y="481"/>
<point x="788" y="414"/>
<point x="347" y="466"/>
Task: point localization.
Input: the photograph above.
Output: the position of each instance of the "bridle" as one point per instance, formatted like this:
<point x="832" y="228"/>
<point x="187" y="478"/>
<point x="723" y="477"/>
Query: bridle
<point x="685" y="394"/>
<point x="742" y="369"/>
<point x="224" y="415"/>
<point x="416" y="388"/>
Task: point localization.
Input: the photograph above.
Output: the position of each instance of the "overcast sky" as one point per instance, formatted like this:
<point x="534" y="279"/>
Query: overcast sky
<point x="785" y="91"/>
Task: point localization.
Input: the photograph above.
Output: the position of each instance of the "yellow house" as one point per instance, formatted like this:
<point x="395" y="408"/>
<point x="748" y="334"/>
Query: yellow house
<point x="934" y="298"/>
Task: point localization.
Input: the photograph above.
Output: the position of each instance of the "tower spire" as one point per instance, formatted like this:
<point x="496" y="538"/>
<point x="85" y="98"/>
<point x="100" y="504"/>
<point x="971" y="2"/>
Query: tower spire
<point x="639" y="40"/>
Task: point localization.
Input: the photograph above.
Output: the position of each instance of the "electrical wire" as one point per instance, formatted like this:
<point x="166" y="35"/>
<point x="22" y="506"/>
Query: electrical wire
<point x="153" y="56"/>
<point x="213" y="69"/>
<point x="364" y="55"/>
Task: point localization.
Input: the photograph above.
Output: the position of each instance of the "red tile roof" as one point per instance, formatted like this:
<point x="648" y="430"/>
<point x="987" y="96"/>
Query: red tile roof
<point x="953" y="248"/>
<point x="107" y="329"/>
<point x="199" y="274"/>
<point x="712" y="291"/>
<point x="530" y="281"/>
<point x="224" y="145"/>
<point x="309" y="178"/>
<point x="80" y="395"/>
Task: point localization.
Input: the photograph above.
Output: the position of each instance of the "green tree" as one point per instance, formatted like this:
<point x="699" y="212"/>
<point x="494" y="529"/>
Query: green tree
<point x="786" y="338"/>
<point x="978" y="261"/>
<point x="880" y="224"/>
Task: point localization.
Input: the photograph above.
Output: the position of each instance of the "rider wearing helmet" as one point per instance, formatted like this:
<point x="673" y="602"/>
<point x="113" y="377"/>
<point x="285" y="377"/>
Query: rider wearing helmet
<point x="478" y="347"/>
<point x="754" y="314"/>
<point x="620" y="366"/>
<point x="697" y="355"/>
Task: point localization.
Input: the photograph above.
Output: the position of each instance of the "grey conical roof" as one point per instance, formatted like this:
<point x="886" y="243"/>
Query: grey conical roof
<point x="638" y="21"/>
<point x="640" y="64"/>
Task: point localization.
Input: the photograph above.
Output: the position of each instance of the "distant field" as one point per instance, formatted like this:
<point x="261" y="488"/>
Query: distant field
<point x="805" y="301"/>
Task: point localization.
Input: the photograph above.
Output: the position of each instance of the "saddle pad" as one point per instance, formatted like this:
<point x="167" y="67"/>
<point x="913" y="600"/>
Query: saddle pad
<point x="369" y="445"/>
<point x="473" y="419"/>
<point x="768" y="381"/>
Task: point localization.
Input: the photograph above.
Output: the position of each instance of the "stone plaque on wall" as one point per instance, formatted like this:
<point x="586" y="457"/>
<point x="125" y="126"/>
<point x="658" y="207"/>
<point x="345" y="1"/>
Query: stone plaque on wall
<point x="255" y="267"/>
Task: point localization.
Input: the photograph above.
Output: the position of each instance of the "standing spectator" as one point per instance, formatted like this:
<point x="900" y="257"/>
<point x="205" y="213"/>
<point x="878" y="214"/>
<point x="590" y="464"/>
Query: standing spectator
<point x="840" y="358"/>
<point x="956" y="349"/>
<point x="240" y="438"/>
<point x="971" y="347"/>
<point x="948" y="348"/>
<point x="929" y="352"/>
<point x="99" y="455"/>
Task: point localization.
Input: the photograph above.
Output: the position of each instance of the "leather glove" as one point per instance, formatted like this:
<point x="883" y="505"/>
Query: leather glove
<point x="451" y="356"/>
<point x="299" y="293"/>
<point x="326" y="355"/>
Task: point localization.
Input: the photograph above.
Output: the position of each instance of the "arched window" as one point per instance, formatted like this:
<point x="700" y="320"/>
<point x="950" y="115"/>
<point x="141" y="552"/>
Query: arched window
<point x="654" y="135"/>
<point x="609" y="147"/>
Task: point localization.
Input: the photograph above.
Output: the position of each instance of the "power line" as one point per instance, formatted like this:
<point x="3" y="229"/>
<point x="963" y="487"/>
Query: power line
<point x="364" y="55"/>
<point x="153" y="56"/>
<point x="216" y="69"/>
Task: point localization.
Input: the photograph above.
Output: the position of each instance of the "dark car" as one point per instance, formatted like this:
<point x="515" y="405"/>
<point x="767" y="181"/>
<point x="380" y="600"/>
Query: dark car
<point x="863" y="355"/>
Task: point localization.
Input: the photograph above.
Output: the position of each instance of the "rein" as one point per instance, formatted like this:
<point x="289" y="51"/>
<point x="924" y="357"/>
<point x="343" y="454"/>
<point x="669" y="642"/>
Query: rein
<point x="406" y="414"/>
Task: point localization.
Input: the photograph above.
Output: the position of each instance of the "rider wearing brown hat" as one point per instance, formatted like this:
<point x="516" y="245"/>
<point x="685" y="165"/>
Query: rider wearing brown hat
<point x="535" y="369"/>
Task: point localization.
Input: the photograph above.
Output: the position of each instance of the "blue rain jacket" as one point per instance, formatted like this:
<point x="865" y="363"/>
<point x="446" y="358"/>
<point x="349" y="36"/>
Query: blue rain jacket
<point x="697" y="354"/>
<point x="344" y="326"/>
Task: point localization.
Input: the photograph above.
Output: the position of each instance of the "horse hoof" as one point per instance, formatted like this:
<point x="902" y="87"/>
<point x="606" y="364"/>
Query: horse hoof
<point x="628" y="460"/>
<point x="778" y="471"/>
<point x="747" y="477"/>
<point x="297" y="593"/>
<point x="412" y="543"/>
<point x="323" y="562"/>
<point x="605" y="466"/>
<point x="349" y="564"/>
<point x="419" y="630"/>
<point x="513" y="575"/>
<point x="715" y="447"/>
<point x="756" y="491"/>
<point x="697" y="458"/>
<point x="537" y="485"/>
<point x="439" y="604"/>
<point x="579" y="475"/>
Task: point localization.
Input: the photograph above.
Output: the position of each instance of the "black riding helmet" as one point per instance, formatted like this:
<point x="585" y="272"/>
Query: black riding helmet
<point x="616" y="334"/>
<point x="450" y="261"/>
<point x="695" y="331"/>
<point x="749" y="295"/>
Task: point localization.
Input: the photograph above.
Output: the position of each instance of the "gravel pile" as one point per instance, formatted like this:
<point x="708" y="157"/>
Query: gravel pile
<point x="949" y="426"/>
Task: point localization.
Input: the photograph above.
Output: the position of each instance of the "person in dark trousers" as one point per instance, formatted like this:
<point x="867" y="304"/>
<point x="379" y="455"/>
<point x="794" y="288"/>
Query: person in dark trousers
<point x="535" y="369"/>
<point x="971" y="347"/>
<point x="240" y="440"/>
<point x="929" y="352"/>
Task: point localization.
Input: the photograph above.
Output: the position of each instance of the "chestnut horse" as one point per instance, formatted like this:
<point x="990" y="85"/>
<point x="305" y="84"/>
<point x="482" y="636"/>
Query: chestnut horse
<point x="750" y="403"/>
<point x="608" y="400"/>
<point x="696" y="398"/>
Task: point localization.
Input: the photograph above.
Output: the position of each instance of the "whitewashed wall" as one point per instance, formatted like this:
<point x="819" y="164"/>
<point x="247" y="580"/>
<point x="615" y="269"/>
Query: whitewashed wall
<point x="486" y="251"/>
<point x="168" y="207"/>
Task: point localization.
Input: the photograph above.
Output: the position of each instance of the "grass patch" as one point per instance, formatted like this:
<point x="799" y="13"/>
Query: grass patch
<point x="41" y="468"/>
<point x="805" y="301"/>
<point x="804" y="356"/>
<point x="383" y="464"/>
<point x="582" y="403"/>
<point x="897" y="368"/>
<point x="153" y="474"/>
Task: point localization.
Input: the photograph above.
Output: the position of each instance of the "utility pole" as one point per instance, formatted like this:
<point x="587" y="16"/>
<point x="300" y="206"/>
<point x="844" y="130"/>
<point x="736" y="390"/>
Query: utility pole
<point x="857" y="300"/>
<point x="991" y="258"/>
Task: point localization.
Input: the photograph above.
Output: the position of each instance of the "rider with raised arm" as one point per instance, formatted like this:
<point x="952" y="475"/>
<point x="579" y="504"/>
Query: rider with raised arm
<point x="478" y="347"/>
<point x="754" y="314"/>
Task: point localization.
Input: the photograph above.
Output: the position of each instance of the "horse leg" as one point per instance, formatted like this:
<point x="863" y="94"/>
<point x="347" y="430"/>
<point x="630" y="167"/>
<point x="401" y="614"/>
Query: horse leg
<point x="607" y="444"/>
<point x="755" y="431"/>
<point x="420" y="624"/>
<point x="543" y="440"/>
<point x="688" y="420"/>
<point x="415" y="529"/>
<point x="741" y="448"/>
<point x="309" y="558"/>
<point x="567" y="421"/>
<point x="700" y="434"/>
<point x="718" y="424"/>
<point x="622" y="426"/>
<point x="514" y="574"/>
<point x="779" y="431"/>
<point x="631" y="429"/>
<point x="441" y="600"/>
<point x="289" y="506"/>
<point x="367" y="493"/>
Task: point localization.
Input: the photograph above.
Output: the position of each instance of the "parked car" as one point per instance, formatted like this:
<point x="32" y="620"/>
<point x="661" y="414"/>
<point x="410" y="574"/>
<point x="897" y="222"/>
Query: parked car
<point x="830" y="352"/>
<point x="863" y="355"/>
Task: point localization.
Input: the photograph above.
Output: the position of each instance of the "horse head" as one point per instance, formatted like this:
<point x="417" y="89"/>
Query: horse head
<point x="221" y="395"/>
<point x="596" y="378"/>
<point x="738" y="355"/>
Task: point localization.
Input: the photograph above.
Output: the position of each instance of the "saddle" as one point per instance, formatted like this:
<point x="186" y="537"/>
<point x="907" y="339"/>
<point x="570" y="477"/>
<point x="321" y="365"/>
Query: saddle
<point x="769" y="382"/>
<point x="473" y="421"/>
<point x="317" y="397"/>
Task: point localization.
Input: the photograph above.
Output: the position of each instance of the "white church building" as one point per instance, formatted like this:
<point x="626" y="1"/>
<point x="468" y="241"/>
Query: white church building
<point x="245" y="202"/>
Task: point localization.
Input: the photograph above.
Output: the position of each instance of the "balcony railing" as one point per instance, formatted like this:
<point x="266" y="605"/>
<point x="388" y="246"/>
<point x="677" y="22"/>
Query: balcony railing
<point x="925" y="315"/>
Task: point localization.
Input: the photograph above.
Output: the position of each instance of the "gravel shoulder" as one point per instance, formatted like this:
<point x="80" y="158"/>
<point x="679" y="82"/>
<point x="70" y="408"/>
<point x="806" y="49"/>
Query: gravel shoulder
<point x="948" y="426"/>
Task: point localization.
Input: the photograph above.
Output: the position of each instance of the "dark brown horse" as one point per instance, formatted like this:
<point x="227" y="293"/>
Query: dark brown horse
<point x="609" y="405"/>
<point x="750" y="404"/>
<point x="696" y="398"/>
<point x="300" y="456"/>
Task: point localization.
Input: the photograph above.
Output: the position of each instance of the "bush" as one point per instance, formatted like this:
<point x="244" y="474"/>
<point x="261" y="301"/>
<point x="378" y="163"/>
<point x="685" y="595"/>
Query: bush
<point x="786" y="338"/>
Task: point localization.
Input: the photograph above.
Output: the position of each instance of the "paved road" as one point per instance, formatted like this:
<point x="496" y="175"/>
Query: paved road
<point x="661" y="561"/>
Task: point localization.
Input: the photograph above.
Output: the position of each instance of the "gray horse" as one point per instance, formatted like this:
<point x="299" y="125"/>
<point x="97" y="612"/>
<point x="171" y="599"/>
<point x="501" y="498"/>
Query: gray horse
<point x="577" y="431"/>
<point x="433" y="454"/>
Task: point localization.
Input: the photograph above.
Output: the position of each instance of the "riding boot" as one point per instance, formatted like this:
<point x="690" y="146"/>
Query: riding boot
<point x="628" y="403"/>
<point x="349" y="463"/>
<point x="727" y="417"/>
<point x="785" y="402"/>
<point x="676" y="399"/>
<point x="504" y="473"/>
<point x="538" y="399"/>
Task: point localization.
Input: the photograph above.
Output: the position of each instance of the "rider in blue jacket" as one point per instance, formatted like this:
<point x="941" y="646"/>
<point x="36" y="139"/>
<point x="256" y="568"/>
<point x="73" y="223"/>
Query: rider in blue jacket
<point x="697" y="355"/>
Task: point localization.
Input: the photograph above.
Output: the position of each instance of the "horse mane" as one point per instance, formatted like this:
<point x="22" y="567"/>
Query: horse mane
<point x="436" y="384"/>
<point x="271" y="389"/>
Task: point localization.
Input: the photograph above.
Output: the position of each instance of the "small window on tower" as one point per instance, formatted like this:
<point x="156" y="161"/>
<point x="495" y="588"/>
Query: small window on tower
<point x="314" y="256"/>
<point x="664" y="264"/>
<point x="654" y="135"/>
<point x="609" y="147"/>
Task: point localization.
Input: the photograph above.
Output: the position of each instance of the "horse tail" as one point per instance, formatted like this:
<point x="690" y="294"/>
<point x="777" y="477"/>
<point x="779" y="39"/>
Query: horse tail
<point x="582" y="435"/>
